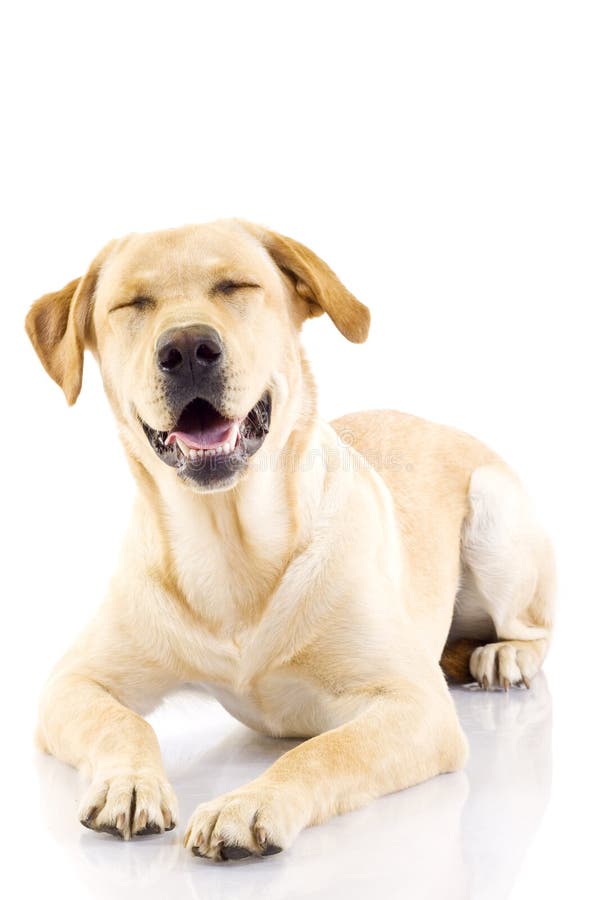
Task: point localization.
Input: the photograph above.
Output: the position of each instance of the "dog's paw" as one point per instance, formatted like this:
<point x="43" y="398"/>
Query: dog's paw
<point x="503" y="665"/>
<point x="248" y="822"/>
<point x="129" y="804"/>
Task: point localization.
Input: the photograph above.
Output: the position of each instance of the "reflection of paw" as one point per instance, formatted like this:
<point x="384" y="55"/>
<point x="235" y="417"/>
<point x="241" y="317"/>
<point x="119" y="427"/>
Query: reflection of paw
<point x="129" y="804"/>
<point x="503" y="664"/>
<point x="248" y="822"/>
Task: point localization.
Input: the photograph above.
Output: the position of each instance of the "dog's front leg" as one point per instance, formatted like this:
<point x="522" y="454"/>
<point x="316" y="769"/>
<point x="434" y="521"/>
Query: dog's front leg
<point x="404" y="735"/>
<point x="82" y="723"/>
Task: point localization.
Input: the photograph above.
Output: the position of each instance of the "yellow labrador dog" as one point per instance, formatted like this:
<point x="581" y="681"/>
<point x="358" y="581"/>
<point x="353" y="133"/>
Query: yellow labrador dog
<point x="293" y="568"/>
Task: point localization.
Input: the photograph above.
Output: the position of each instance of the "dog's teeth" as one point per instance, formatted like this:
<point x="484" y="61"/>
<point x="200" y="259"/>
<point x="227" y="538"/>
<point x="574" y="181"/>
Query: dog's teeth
<point x="183" y="447"/>
<point x="222" y="450"/>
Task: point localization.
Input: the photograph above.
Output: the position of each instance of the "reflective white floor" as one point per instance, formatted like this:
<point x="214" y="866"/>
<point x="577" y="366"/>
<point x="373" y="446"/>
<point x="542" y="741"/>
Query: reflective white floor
<point x="458" y="836"/>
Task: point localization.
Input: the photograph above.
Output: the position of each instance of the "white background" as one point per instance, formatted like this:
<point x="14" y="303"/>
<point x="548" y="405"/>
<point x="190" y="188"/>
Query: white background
<point x="444" y="159"/>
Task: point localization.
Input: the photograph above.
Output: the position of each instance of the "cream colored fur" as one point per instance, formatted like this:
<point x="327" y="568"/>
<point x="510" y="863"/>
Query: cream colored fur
<point x="314" y="598"/>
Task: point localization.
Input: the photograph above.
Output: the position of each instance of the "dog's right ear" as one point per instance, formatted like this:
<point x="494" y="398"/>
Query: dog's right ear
<point x="58" y="328"/>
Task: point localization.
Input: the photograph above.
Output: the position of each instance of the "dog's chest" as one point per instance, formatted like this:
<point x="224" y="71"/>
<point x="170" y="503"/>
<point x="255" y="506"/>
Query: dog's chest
<point x="283" y="704"/>
<point x="234" y="574"/>
<point x="282" y="700"/>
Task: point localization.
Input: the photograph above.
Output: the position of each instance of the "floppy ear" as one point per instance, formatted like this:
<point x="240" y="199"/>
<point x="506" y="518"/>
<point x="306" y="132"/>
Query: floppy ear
<point x="58" y="325"/>
<point x="319" y="287"/>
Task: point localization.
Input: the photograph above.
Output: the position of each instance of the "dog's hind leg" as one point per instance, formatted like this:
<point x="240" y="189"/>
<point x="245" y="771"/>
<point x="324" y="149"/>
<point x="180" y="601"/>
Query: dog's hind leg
<point x="504" y="610"/>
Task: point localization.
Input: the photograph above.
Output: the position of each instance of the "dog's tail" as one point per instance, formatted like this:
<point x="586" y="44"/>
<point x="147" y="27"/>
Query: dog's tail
<point x="455" y="660"/>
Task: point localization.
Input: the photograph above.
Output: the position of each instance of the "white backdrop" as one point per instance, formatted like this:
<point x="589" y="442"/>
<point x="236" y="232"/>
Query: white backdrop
<point x="442" y="157"/>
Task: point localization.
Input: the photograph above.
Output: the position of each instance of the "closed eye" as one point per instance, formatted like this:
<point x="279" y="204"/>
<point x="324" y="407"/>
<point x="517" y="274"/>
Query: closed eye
<point x="141" y="302"/>
<point x="228" y="286"/>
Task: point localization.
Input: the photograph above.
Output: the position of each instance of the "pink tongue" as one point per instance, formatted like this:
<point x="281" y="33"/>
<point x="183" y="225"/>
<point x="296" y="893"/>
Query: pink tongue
<point x="202" y="438"/>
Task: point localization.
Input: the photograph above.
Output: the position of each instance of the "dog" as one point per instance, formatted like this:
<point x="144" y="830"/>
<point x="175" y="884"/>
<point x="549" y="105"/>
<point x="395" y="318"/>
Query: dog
<point x="297" y="570"/>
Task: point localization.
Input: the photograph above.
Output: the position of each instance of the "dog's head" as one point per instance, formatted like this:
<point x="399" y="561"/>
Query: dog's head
<point x="196" y="333"/>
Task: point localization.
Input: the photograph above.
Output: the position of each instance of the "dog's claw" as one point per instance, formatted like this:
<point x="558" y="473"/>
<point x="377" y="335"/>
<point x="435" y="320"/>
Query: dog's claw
<point x="505" y="684"/>
<point x="111" y="829"/>
<point x="150" y="828"/>
<point x="233" y="852"/>
<point x="526" y="682"/>
<point x="266" y="847"/>
<point x="485" y="683"/>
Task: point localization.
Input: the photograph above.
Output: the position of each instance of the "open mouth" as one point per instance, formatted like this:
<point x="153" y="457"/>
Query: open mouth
<point x="207" y="447"/>
<point x="202" y="431"/>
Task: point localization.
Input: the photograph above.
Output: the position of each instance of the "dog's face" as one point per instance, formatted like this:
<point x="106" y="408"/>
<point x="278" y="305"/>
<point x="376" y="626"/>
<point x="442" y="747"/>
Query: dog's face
<point x="197" y="344"/>
<point x="196" y="334"/>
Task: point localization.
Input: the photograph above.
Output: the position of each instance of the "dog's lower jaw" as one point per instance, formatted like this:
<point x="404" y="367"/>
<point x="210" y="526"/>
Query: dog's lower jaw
<point x="209" y="485"/>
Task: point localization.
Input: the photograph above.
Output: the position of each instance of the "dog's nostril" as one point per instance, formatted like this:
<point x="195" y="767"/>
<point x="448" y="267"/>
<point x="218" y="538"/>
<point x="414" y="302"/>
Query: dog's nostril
<point x="170" y="358"/>
<point x="182" y="351"/>
<point x="208" y="351"/>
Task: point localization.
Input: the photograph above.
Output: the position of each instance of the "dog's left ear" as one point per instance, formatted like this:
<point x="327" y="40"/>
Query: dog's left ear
<point x="315" y="283"/>
<point x="58" y="326"/>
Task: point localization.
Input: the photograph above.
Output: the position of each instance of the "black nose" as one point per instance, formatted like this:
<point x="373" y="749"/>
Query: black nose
<point x="184" y="351"/>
